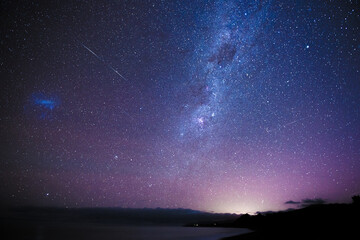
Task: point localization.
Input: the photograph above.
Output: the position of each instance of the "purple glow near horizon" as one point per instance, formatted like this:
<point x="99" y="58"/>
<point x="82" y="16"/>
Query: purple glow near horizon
<point x="224" y="106"/>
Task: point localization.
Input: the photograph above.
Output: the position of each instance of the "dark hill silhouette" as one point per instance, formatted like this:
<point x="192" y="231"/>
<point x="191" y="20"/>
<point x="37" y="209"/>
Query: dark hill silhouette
<point x="325" y="221"/>
<point x="318" y="221"/>
<point x="127" y="216"/>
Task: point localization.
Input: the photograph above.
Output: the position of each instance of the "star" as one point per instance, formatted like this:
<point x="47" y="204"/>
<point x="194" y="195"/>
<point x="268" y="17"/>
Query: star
<point x="201" y="121"/>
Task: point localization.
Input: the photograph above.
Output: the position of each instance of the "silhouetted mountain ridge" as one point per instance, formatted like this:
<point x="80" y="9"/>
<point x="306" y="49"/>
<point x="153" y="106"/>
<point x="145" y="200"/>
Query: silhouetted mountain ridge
<point x="322" y="221"/>
<point x="127" y="216"/>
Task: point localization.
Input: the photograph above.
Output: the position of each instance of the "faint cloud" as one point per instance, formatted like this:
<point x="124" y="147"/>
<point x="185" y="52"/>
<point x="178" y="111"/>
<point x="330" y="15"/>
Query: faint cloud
<point x="292" y="202"/>
<point x="315" y="201"/>
<point x="307" y="202"/>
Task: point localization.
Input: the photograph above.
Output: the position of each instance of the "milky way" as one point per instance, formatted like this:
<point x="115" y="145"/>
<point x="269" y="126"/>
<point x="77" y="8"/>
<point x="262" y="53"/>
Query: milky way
<point x="225" y="106"/>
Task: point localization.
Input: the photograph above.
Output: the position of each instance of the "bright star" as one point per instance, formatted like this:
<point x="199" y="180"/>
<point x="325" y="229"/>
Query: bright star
<point x="200" y="120"/>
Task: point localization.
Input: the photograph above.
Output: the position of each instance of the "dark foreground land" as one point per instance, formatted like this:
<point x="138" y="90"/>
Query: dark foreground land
<point x="330" y="221"/>
<point x="326" y="221"/>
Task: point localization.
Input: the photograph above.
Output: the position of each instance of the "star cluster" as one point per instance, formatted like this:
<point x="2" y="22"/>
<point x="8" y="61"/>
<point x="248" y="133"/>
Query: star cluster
<point x="225" y="106"/>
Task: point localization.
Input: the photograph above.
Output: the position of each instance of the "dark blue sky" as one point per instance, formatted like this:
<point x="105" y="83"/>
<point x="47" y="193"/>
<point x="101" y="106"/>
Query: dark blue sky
<point x="225" y="106"/>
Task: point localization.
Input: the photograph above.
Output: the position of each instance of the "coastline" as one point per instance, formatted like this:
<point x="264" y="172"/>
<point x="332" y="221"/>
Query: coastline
<point x="246" y="236"/>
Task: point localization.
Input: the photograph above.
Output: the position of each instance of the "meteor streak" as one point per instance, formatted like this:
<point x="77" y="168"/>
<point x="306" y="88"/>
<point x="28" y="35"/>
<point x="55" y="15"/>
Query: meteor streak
<point x="102" y="60"/>
<point x="286" y="124"/>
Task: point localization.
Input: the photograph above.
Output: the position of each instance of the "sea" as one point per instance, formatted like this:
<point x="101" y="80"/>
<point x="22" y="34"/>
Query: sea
<point x="106" y="232"/>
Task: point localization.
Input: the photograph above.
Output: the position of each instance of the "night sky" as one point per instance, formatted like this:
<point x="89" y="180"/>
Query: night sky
<point x="224" y="106"/>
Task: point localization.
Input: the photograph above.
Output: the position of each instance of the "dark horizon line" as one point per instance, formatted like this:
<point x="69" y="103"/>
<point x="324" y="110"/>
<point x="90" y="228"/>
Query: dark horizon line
<point x="109" y="208"/>
<point x="299" y="206"/>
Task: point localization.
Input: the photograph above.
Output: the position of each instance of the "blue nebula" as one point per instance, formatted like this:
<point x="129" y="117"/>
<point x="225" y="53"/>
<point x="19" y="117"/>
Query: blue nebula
<point x="46" y="103"/>
<point x="43" y="105"/>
